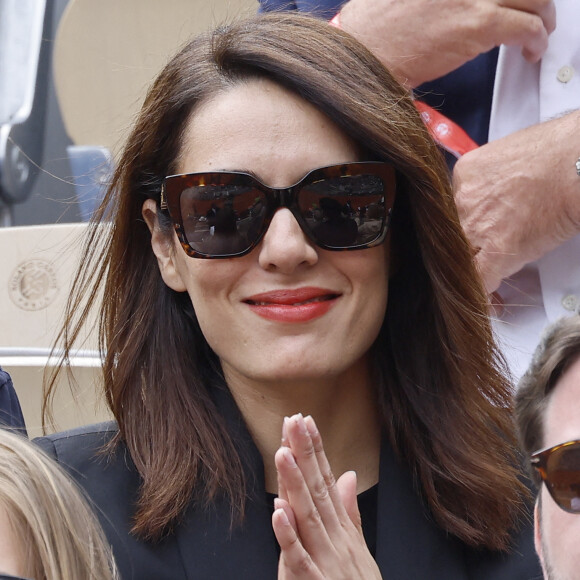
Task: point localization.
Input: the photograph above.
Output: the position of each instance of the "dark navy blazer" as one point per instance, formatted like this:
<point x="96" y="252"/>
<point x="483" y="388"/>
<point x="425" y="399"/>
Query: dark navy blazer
<point x="10" y="411"/>
<point x="409" y="544"/>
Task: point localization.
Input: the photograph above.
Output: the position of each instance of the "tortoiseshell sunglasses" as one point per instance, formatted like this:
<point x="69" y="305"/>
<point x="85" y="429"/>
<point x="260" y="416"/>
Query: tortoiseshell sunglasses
<point x="225" y="214"/>
<point x="559" y="468"/>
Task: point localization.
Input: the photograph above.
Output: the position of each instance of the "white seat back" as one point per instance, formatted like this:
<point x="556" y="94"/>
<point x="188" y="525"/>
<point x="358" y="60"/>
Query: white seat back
<point x="36" y="270"/>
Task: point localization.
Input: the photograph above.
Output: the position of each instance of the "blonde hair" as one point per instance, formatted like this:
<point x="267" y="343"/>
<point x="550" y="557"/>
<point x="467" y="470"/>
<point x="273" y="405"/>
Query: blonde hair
<point x="59" y="535"/>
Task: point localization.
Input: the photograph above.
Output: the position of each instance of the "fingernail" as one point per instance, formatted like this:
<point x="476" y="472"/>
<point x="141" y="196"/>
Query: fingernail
<point x="277" y="503"/>
<point x="311" y="425"/>
<point x="301" y="424"/>
<point x="289" y="457"/>
<point x="283" y="517"/>
<point x="285" y="429"/>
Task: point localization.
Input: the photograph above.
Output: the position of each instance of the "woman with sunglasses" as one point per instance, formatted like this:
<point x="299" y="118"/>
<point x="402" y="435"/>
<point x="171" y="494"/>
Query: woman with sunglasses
<point x="284" y="267"/>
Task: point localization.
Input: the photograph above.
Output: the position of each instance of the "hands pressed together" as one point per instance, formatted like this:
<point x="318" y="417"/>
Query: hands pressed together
<point x="316" y="519"/>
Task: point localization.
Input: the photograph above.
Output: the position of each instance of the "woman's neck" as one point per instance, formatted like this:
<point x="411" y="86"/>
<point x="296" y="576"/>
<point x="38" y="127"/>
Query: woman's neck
<point x="345" y="410"/>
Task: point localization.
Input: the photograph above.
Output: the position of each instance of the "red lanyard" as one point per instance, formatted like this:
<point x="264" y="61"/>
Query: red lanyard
<point x="448" y="134"/>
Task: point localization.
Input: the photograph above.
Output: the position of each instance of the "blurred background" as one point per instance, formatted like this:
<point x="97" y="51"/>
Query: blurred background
<point x="73" y="74"/>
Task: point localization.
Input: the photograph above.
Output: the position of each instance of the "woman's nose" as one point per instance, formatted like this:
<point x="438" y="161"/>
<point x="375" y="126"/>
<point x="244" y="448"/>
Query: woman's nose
<point x="285" y="246"/>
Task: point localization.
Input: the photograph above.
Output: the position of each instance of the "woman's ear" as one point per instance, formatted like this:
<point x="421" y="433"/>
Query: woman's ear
<point x="163" y="248"/>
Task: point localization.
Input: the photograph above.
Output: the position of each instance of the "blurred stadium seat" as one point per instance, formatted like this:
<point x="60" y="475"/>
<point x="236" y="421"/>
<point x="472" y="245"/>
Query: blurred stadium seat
<point x="95" y="61"/>
<point x="36" y="269"/>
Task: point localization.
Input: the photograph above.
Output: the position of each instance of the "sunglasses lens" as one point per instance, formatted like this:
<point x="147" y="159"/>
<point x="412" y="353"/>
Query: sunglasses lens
<point x="344" y="212"/>
<point x="222" y="219"/>
<point x="563" y="470"/>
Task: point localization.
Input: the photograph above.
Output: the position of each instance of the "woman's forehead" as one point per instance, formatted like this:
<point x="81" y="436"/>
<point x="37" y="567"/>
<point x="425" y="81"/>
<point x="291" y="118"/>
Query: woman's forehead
<point x="261" y="127"/>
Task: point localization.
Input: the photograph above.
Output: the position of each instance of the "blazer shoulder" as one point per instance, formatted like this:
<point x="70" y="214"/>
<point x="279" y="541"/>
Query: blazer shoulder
<point x="88" y="437"/>
<point x="83" y="449"/>
<point x="10" y="410"/>
<point x="107" y="473"/>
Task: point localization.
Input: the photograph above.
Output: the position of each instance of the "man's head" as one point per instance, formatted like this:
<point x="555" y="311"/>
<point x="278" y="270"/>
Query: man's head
<point x="548" y="415"/>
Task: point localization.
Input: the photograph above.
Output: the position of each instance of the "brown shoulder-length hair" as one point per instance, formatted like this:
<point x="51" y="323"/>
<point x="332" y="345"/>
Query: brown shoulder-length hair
<point x="444" y="401"/>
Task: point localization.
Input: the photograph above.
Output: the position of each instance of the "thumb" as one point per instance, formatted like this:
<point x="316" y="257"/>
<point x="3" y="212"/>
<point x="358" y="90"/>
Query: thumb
<point x="346" y="486"/>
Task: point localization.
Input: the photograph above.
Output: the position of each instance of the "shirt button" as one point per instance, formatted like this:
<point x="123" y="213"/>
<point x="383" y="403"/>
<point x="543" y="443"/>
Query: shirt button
<point x="565" y="74"/>
<point x="570" y="302"/>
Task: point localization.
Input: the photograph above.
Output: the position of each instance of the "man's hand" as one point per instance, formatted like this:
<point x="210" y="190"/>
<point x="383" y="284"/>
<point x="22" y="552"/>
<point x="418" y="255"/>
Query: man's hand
<point x="421" y="40"/>
<point x="519" y="197"/>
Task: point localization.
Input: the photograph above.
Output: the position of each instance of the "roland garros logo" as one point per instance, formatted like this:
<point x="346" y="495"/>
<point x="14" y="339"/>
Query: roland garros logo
<point x="33" y="285"/>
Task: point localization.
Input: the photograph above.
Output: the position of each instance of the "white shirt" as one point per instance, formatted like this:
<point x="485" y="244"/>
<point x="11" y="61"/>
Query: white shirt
<point x="526" y="94"/>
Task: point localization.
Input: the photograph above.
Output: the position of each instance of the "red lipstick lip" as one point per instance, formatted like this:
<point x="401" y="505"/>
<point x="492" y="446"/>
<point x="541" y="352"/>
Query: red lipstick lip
<point x="296" y="305"/>
<point x="290" y="297"/>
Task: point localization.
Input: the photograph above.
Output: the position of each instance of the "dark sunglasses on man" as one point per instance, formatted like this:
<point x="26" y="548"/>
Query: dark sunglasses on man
<point x="559" y="468"/>
<point x="225" y="214"/>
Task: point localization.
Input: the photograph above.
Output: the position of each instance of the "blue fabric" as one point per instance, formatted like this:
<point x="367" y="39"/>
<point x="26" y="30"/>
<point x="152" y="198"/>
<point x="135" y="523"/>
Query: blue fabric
<point x="463" y="95"/>
<point x="323" y="8"/>
<point x="10" y="411"/>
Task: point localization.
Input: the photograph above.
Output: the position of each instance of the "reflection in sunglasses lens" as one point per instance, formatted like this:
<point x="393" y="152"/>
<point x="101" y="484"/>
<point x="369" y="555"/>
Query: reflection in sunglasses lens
<point x="225" y="214"/>
<point x="563" y="470"/>
<point x="229" y="218"/>
<point x="343" y="212"/>
<point x="222" y="219"/>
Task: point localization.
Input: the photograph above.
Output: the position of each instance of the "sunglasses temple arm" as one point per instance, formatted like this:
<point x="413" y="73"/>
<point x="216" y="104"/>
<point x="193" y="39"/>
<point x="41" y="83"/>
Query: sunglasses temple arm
<point x="163" y="202"/>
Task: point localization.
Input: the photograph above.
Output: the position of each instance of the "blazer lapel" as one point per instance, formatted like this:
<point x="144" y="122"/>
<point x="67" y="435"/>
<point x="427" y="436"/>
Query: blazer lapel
<point x="209" y="548"/>
<point x="409" y="544"/>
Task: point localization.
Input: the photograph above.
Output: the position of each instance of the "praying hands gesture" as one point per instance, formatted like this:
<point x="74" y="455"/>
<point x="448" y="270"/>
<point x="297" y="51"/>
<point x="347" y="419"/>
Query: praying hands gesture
<point x="316" y="519"/>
